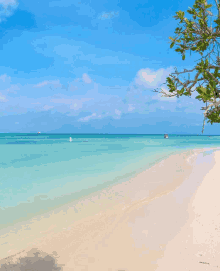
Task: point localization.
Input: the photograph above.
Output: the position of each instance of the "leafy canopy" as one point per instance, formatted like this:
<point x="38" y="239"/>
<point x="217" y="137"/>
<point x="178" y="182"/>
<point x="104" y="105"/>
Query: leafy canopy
<point x="197" y="36"/>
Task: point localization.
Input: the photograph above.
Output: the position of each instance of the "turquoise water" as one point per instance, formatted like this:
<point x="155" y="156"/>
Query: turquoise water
<point x="41" y="172"/>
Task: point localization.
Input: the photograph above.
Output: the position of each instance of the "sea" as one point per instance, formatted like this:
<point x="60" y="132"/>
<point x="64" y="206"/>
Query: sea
<point x="41" y="172"/>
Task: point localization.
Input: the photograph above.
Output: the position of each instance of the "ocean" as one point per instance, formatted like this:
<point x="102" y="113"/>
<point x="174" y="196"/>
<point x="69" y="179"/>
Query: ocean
<point x="41" y="172"/>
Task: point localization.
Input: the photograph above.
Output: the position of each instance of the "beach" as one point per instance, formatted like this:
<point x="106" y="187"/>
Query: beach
<point x="165" y="218"/>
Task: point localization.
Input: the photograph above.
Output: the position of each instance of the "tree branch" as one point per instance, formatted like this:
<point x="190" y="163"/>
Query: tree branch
<point x="217" y="8"/>
<point x="215" y="79"/>
<point x="206" y="110"/>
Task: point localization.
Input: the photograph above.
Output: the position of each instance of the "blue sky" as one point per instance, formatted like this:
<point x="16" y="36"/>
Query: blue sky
<point x="75" y="66"/>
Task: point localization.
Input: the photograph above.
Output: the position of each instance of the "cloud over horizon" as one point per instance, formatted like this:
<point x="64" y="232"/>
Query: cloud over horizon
<point x="90" y="101"/>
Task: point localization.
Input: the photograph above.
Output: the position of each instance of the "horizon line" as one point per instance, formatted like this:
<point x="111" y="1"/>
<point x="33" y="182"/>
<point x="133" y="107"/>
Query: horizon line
<point x="101" y="133"/>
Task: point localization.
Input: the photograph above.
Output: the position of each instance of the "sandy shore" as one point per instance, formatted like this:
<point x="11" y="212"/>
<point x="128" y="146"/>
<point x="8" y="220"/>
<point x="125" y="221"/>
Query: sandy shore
<point x="166" y="218"/>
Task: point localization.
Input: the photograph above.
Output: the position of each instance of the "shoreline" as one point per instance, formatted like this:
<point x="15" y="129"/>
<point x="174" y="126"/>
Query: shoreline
<point x="103" y="218"/>
<point x="41" y="203"/>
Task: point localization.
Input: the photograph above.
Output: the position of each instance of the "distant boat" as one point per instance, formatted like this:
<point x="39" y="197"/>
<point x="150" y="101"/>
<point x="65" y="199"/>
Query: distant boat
<point x="166" y="136"/>
<point x="71" y="139"/>
<point x="38" y="132"/>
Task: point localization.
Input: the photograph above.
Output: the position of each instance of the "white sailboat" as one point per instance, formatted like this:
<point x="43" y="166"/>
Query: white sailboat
<point x="71" y="139"/>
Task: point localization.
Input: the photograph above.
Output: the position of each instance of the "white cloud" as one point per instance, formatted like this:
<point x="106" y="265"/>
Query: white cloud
<point x="70" y="104"/>
<point x="5" y="84"/>
<point x="55" y="83"/>
<point x="3" y="98"/>
<point x="48" y="107"/>
<point x="108" y="15"/>
<point x="78" y="51"/>
<point x="73" y="87"/>
<point x="61" y="101"/>
<point x="130" y="107"/>
<point x="36" y="103"/>
<point x="94" y="97"/>
<point x="13" y="88"/>
<point x="42" y="84"/>
<point x="86" y="78"/>
<point x="150" y="78"/>
<point x="5" y="78"/>
<point x="8" y="7"/>
<point x="8" y="2"/>
<point x="85" y="119"/>
<point x="117" y="112"/>
<point x="146" y="77"/>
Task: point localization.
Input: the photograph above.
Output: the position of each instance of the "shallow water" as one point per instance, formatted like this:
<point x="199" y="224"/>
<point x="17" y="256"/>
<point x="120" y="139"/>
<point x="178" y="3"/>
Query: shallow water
<point x="41" y="172"/>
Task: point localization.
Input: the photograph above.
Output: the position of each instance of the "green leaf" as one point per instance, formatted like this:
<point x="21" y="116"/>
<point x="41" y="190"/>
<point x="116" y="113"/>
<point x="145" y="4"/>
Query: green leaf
<point x="183" y="57"/>
<point x="190" y="11"/>
<point x="213" y="116"/>
<point x="217" y="21"/>
<point x="199" y="97"/>
<point x="180" y="91"/>
<point x="172" y="44"/>
<point x="208" y="6"/>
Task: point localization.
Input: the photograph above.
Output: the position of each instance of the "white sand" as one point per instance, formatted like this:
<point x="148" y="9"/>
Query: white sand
<point x="163" y="219"/>
<point x="197" y="244"/>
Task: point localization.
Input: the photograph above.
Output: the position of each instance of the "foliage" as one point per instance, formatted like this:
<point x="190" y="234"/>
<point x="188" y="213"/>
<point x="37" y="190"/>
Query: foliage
<point x="195" y="35"/>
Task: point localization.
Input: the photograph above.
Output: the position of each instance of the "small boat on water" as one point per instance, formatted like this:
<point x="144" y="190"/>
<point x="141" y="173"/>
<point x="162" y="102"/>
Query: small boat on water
<point x="166" y="136"/>
<point x="38" y="133"/>
<point x="71" y="139"/>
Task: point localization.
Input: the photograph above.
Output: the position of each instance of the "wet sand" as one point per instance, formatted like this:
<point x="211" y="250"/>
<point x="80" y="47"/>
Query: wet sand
<point x="152" y="222"/>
